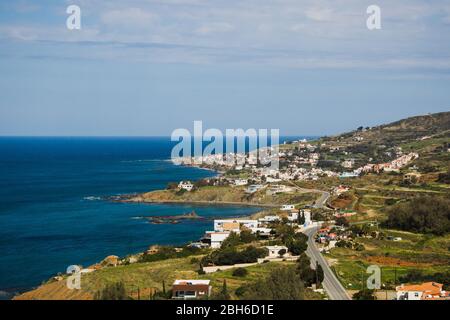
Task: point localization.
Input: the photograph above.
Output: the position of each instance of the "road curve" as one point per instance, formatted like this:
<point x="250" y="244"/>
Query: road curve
<point x="331" y="284"/>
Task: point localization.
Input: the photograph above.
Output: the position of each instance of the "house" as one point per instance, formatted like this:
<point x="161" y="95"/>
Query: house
<point x="191" y="289"/>
<point x="254" y="188"/>
<point x="186" y="185"/>
<point x="274" y="251"/>
<point x="110" y="261"/>
<point x="214" y="238"/>
<point x="424" y="291"/>
<point x="263" y="232"/>
<point x="269" y="219"/>
<point x="240" y="182"/>
<point x="307" y="215"/>
<point x="293" y="216"/>
<point x="340" y="189"/>
<point x="234" y="225"/>
<point x="349" y="163"/>
<point x="287" y="207"/>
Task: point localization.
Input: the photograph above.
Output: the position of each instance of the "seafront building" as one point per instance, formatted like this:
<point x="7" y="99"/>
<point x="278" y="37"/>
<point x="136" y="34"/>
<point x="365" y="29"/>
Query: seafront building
<point x="191" y="289"/>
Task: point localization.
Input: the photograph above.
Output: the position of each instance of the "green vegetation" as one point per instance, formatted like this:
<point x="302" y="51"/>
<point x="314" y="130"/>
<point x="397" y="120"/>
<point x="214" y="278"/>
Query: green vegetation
<point x="231" y="255"/>
<point x="424" y="214"/>
<point x="281" y="284"/>
<point x="113" y="291"/>
<point x="364" y="295"/>
<point x="417" y="276"/>
<point x="240" y="272"/>
<point x="169" y="252"/>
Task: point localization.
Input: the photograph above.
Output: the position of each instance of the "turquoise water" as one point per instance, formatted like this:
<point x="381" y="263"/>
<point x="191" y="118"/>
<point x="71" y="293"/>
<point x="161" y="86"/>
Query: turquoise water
<point x="53" y="211"/>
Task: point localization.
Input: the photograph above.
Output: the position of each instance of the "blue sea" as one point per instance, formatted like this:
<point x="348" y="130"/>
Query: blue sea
<point x="54" y="210"/>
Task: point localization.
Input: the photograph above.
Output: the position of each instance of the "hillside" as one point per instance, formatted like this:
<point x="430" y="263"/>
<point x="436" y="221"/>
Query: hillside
<point x="398" y="132"/>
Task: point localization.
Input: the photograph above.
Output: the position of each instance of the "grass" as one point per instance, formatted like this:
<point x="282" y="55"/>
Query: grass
<point x="395" y="258"/>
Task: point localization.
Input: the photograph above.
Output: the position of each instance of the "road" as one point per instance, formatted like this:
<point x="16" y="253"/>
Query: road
<point x="319" y="203"/>
<point x="331" y="284"/>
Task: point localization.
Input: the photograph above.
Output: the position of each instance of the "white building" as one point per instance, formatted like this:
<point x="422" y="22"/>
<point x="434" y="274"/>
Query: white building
<point x="293" y="216"/>
<point x="216" y="238"/>
<point x="269" y="219"/>
<point x="274" y="251"/>
<point x="287" y="207"/>
<point x="186" y="185"/>
<point x="424" y="291"/>
<point x="234" y="225"/>
<point x="261" y="231"/>
<point x="240" y="182"/>
<point x="254" y="188"/>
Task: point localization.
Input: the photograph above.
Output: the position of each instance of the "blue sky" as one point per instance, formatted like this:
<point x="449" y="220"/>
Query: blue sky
<point x="147" y="67"/>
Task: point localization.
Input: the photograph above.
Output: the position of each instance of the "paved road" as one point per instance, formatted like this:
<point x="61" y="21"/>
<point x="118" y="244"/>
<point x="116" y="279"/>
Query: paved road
<point x="331" y="284"/>
<point x="321" y="202"/>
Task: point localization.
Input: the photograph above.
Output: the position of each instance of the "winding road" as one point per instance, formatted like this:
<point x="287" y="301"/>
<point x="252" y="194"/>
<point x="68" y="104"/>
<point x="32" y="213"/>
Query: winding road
<point x="331" y="284"/>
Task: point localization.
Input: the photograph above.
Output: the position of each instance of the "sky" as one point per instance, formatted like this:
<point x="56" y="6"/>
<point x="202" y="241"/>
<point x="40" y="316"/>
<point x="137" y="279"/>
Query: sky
<point x="148" y="67"/>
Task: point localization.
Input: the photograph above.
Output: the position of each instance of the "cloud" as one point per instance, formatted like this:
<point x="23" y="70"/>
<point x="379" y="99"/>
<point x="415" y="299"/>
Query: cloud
<point x="133" y="18"/>
<point x="319" y="33"/>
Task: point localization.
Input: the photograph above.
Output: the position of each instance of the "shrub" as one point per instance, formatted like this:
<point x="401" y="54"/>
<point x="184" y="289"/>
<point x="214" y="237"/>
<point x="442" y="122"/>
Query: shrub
<point x="240" y="272"/>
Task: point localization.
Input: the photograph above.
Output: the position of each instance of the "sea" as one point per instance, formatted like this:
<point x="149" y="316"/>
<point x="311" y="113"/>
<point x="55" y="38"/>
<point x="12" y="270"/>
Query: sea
<point x="55" y="207"/>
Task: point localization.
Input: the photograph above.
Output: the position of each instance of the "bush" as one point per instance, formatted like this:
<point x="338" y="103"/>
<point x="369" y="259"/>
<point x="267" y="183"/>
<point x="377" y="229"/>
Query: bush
<point x="240" y="272"/>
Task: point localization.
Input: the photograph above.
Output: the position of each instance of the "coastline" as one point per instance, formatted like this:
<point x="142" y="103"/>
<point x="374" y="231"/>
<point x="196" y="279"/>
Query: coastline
<point x="205" y="203"/>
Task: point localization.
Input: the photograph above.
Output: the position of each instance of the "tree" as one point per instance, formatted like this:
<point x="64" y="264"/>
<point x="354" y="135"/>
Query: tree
<point x="319" y="274"/>
<point x="232" y="240"/>
<point x="281" y="284"/>
<point x="342" y="221"/>
<point x="297" y="247"/>
<point x="282" y="252"/>
<point x="304" y="271"/>
<point x="301" y="218"/>
<point x="247" y="236"/>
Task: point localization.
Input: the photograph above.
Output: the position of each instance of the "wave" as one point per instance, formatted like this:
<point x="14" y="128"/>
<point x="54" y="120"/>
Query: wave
<point x="92" y="198"/>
